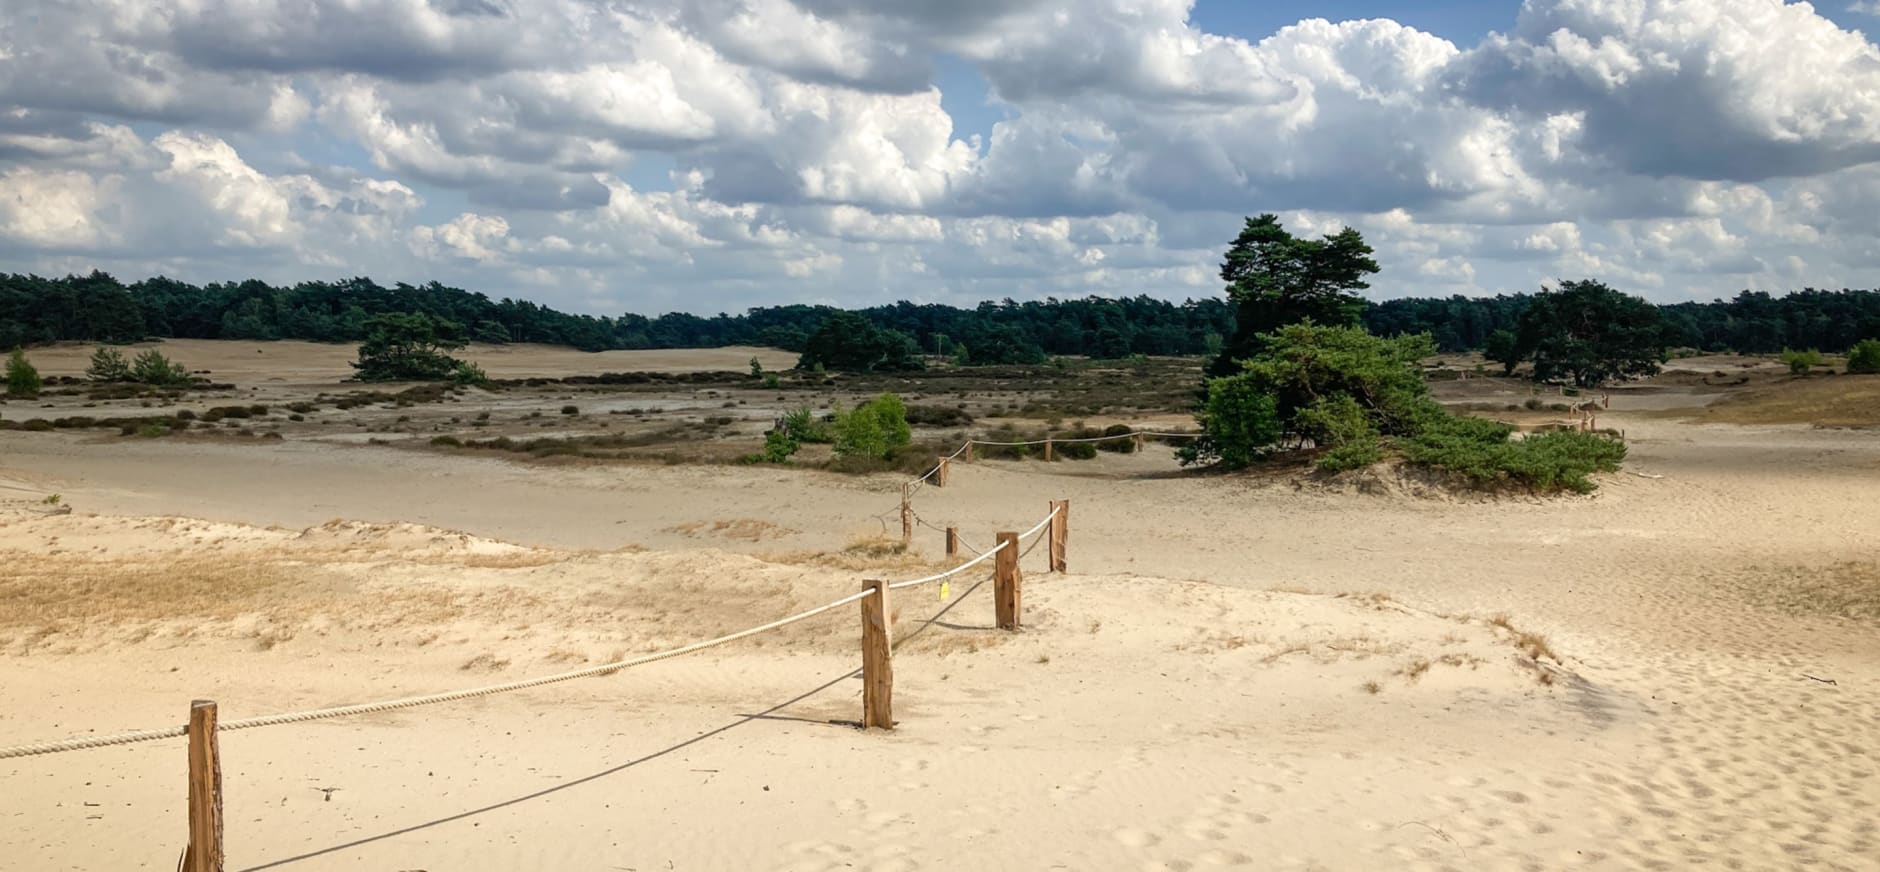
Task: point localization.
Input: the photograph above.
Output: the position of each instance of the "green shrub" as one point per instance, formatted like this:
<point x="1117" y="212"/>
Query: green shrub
<point x="108" y="365"/>
<point x="464" y="372"/>
<point x="1864" y="356"/>
<point x="779" y="445"/>
<point x="37" y="425"/>
<point x="802" y="424"/>
<point x="1801" y="362"/>
<point x="447" y="442"/>
<point x="1241" y="421"/>
<point x="22" y="379"/>
<point x="571" y="410"/>
<point x="152" y="368"/>
<point x="1121" y="445"/>
<point x="1481" y="452"/>
<point x="1077" y="450"/>
<point x="873" y="428"/>
<point x="771" y="381"/>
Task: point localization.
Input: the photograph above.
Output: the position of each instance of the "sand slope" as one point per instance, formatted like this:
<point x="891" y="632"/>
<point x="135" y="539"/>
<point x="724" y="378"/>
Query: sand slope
<point x="1195" y="694"/>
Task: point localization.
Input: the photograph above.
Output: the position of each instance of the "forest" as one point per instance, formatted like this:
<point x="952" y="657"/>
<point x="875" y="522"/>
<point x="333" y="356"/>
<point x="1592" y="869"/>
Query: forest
<point x="99" y="308"/>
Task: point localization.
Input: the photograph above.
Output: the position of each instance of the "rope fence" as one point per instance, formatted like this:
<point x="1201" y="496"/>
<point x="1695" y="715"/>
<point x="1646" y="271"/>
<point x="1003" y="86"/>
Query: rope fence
<point x="139" y="736"/>
<point x="204" y="850"/>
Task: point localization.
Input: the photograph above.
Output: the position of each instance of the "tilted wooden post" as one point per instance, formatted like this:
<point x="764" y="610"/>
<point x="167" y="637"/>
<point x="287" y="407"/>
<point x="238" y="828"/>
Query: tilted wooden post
<point x="967" y="455"/>
<point x="205" y="791"/>
<point x="907" y="518"/>
<point x="953" y="541"/>
<point x="1005" y="582"/>
<point x="877" y="658"/>
<point x="1048" y="453"/>
<point x="1060" y="533"/>
<point x="940" y="474"/>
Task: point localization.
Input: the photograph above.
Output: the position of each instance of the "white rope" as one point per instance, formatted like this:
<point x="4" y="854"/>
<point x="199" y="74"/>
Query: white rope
<point x="977" y="560"/>
<point x="949" y="573"/>
<point x="414" y="701"/>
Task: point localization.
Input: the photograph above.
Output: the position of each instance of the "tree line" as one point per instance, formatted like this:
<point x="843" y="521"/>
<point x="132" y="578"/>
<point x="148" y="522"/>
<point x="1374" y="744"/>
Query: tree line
<point x="99" y="308"/>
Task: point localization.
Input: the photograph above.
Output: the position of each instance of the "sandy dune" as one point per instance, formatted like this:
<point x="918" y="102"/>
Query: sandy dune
<point x="1237" y="672"/>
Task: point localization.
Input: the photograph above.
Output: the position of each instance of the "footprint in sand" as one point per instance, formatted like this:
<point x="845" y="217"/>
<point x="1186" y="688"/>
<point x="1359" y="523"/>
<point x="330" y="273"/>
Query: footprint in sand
<point x="1135" y="838"/>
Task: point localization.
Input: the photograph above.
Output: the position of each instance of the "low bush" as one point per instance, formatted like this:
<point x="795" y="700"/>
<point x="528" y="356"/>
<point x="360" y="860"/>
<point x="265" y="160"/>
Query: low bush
<point x="571" y="410"/>
<point x="22" y="379"/>
<point x="1802" y="362"/>
<point x="938" y="416"/>
<point x="1481" y="452"/>
<point x="872" y="429"/>
<point x="1118" y="445"/>
<point x="447" y="442"/>
<point x="152" y="368"/>
<point x="1864" y="357"/>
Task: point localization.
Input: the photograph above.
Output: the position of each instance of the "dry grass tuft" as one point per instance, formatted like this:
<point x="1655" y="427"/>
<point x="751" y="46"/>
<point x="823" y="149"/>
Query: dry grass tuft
<point x="485" y="663"/>
<point x="1372" y="688"/>
<point x="1534" y="645"/>
<point x="1415" y="669"/>
<point x="742" y="529"/>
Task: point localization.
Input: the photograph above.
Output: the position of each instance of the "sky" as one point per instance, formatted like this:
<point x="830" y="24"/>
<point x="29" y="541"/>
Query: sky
<point x="606" y="156"/>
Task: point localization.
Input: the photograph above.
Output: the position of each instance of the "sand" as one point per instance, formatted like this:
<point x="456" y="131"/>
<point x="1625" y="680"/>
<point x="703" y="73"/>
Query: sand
<point x="1238" y="671"/>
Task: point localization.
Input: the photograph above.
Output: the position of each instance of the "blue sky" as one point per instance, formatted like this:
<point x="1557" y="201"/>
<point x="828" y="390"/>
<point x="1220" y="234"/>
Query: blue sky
<point x="707" y="155"/>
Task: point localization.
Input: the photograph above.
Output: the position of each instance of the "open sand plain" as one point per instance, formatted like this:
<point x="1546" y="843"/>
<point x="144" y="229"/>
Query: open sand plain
<point x="1258" y="672"/>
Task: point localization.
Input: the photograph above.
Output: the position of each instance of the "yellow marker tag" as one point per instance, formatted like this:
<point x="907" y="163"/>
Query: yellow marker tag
<point x="946" y="589"/>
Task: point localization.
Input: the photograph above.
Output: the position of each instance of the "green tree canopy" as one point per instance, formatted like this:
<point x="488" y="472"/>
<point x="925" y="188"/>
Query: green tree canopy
<point x="410" y="347"/>
<point x="847" y="342"/>
<point x="1590" y="334"/>
<point x="1275" y="278"/>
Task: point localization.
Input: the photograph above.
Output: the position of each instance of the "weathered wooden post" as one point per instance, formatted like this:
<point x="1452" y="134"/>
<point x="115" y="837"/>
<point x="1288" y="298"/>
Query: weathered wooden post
<point x="1049" y="455"/>
<point x="1060" y="533"/>
<point x="953" y="541"/>
<point x="1138" y="443"/>
<point x="967" y="455"/>
<point x="907" y="517"/>
<point x="1005" y="582"/>
<point x="940" y="474"/>
<point x="204" y="853"/>
<point x="877" y="658"/>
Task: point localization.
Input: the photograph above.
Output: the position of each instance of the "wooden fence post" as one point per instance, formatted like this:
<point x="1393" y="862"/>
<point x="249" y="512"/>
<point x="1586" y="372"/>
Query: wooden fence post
<point x="940" y="475"/>
<point x="877" y="658"/>
<point x="907" y="518"/>
<point x="967" y="455"/>
<point x="1138" y="443"/>
<point x="1060" y="533"/>
<point x="1049" y="455"/>
<point x="953" y="541"/>
<point x="204" y="853"/>
<point x="1005" y="582"/>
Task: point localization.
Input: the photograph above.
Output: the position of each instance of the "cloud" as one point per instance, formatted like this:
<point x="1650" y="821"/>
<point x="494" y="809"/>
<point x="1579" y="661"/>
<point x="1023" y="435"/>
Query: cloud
<point x="708" y="154"/>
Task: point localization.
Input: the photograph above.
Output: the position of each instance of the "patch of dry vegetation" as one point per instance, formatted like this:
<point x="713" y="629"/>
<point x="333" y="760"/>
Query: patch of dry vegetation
<point x="1851" y="401"/>
<point x="741" y="529"/>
